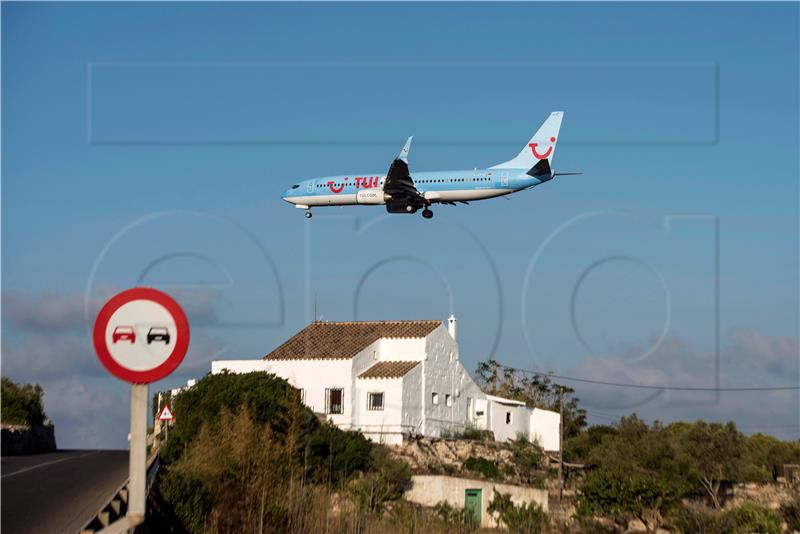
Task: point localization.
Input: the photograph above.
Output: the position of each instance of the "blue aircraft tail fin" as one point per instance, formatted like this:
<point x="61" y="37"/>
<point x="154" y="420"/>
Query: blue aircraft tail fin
<point x="542" y="145"/>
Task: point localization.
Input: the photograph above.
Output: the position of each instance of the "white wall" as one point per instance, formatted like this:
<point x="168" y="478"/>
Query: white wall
<point x="412" y="394"/>
<point x="428" y="490"/>
<point x="443" y="374"/>
<point x="520" y="420"/>
<point x="544" y="429"/>
<point x="408" y="349"/>
<point x="434" y="380"/>
<point x="383" y="426"/>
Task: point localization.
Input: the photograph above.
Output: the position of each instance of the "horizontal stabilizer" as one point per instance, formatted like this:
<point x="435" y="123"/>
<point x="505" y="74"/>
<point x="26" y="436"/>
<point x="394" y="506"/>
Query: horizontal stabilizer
<point x="541" y="170"/>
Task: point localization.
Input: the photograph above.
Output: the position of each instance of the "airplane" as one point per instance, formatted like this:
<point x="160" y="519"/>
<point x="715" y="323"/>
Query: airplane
<point x="401" y="193"/>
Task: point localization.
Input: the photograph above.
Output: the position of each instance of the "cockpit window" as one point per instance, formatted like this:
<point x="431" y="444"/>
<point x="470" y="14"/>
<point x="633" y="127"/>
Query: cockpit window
<point x="295" y="186"/>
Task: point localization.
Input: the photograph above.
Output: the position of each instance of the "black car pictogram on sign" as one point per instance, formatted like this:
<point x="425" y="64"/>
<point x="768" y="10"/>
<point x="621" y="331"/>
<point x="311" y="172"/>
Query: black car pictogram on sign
<point x="158" y="333"/>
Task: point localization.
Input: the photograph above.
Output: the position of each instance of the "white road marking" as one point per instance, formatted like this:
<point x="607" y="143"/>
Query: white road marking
<point x="48" y="463"/>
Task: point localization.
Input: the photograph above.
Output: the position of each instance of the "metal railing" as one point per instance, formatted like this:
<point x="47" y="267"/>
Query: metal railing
<point x="111" y="518"/>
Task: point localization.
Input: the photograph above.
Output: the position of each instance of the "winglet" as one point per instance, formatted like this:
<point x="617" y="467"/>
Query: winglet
<point x="403" y="155"/>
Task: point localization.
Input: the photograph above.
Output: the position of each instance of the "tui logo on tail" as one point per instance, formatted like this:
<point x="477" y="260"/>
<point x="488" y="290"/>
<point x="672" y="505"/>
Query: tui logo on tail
<point x="547" y="152"/>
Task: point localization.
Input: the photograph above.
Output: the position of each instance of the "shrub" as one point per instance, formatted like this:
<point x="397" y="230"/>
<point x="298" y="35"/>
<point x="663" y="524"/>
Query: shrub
<point x="456" y="519"/>
<point x="387" y="480"/>
<point x="485" y="467"/>
<point x="527" y="458"/>
<point x="22" y="403"/>
<point x="466" y="433"/>
<point x="590" y="525"/>
<point x="690" y="520"/>
<point x="527" y="518"/>
<point x="618" y="494"/>
<point x="791" y="513"/>
<point x="334" y="455"/>
<point x="751" y="517"/>
<point x="268" y="464"/>
<point x="269" y="400"/>
<point x="744" y="519"/>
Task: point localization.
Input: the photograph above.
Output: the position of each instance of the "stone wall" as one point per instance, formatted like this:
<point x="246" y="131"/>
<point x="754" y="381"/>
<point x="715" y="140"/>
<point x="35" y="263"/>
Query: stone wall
<point x="18" y="440"/>
<point x="770" y="495"/>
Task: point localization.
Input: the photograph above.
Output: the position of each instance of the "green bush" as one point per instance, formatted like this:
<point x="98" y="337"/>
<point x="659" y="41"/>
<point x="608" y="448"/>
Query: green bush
<point x="485" y="467"/>
<point x="527" y="518"/>
<point x="527" y="459"/>
<point x="459" y="520"/>
<point x="744" y="519"/>
<point x="751" y="518"/>
<point x="767" y="453"/>
<point x="466" y="433"/>
<point x="386" y="481"/>
<point x="22" y="403"/>
<point x="791" y="513"/>
<point x="619" y="494"/>
<point x="689" y="520"/>
<point x="333" y="455"/>
<point x="269" y="400"/>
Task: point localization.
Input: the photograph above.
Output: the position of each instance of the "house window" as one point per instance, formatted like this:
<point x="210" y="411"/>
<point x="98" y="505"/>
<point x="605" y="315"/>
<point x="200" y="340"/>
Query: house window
<point x="375" y="401"/>
<point x="469" y="408"/>
<point x="508" y="418"/>
<point x="448" y="399"/>
<point x="334" y="400"/>
<point x="374" y="354"/>
<point x="435" y="398"/>
<point x="302" y="395"/>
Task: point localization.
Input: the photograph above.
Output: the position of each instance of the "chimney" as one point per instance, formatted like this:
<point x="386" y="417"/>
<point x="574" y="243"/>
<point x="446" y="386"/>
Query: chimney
<point x="451" y="326"/>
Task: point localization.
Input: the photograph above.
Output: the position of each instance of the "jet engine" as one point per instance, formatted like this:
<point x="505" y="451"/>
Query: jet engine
<point x="374" y="195"/>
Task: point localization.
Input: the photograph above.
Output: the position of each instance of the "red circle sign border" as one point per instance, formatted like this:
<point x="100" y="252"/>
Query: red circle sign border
<point x="173" y="360"/>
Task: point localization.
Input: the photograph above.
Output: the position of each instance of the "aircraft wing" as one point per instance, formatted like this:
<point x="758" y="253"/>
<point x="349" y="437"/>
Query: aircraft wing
<point x="400" y="187"/>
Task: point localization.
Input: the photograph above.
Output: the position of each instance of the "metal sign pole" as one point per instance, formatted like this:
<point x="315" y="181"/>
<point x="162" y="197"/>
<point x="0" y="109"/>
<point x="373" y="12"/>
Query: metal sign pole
<point x="138" y="453"/>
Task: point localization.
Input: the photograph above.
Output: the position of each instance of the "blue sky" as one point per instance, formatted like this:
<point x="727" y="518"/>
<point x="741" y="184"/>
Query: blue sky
<point x="149" y="143"/>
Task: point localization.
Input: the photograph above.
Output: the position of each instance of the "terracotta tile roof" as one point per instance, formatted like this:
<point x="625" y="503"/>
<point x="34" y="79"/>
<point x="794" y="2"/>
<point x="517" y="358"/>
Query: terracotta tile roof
<point x="343" y="340"/>
<point x="388" y="370"/>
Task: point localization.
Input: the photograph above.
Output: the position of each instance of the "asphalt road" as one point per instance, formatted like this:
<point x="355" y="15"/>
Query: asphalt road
<point x="58" y="491"/>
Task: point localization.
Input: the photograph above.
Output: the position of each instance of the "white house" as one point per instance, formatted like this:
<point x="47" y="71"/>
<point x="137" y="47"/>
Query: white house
<point x="392" y="379"/>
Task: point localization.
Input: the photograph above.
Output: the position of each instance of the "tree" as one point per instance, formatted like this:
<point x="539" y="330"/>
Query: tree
<point x="22" y="403"/>
<point x="765" y="457"/>
<point x="579" y="447"/>
<point x="713" y="453"/>
<point x="619" y="493"/>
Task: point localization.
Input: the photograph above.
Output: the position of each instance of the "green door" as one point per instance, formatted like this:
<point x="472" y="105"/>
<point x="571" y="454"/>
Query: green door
<point x="472" y="502"/>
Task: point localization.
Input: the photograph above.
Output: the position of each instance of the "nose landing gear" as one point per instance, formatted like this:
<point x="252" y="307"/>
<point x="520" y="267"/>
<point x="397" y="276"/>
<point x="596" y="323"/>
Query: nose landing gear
<point x="308" y="214"/>
<point x="428" y="214"/>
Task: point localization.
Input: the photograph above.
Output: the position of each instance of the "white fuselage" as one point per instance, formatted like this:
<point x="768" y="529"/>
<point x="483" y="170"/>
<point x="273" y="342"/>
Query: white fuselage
<point x="440" y="186"/>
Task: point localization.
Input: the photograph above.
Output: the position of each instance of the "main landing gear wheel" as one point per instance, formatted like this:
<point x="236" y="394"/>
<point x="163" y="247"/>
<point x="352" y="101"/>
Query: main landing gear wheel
<point x="428" y="214"/>
<point x="308" y="214"/>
